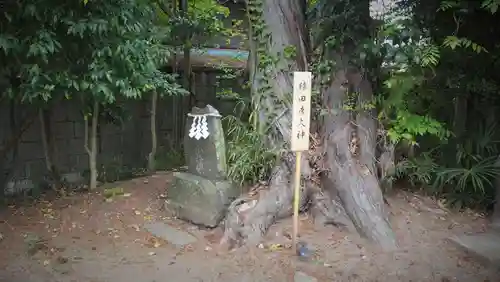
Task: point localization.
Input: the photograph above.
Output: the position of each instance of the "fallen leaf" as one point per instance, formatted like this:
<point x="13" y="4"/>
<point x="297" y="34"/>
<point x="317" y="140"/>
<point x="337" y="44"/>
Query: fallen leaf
<point x="188" y="248"/>
<point x="62" y="260"/>
<point x="275" y="247"/>
<point x="112" y="192"/>
<point x="135" y="226"/>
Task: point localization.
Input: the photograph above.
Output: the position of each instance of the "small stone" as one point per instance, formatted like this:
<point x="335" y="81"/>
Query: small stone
<point x="151" y="253"/>
<point x="302" y="277"/>
<point x="208" y="248"/>
<point x="168" y="233"/>
<point x="199" y="200"/>
<point x="261" y="246"/>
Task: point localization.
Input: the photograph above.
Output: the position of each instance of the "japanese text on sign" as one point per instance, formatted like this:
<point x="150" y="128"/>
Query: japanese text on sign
<point x="301" y="111"/>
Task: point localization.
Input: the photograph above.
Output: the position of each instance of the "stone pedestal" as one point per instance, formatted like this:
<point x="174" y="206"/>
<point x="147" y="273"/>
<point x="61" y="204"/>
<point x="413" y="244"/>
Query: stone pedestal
<point x="199" y="200"/>
<point x="202" y="194"/>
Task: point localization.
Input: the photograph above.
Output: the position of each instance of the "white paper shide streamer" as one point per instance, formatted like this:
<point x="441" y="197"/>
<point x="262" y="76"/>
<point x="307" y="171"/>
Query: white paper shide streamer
<point x="199" y="127"/>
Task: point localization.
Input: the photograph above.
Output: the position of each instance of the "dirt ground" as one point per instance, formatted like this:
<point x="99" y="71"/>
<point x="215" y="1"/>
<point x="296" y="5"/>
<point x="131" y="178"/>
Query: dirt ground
<point x="86" y="238"/>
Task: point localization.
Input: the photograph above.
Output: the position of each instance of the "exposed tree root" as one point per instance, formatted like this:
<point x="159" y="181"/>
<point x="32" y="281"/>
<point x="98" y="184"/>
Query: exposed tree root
<point x="327" y="209"/>
<point x="249" y="217"/>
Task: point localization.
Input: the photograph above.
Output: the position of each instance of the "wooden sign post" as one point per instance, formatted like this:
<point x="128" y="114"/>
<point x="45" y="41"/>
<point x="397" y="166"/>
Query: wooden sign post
<point x="301" y="120"/>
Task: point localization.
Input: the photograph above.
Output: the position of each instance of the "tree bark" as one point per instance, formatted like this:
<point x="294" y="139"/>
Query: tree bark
<point x="154" y="138"/>
<point x="350" y="155"/>
<point x="49" y="149"/>
<point x="249" y="218"/>
<point x="350" y="185"/>
<point x="92" y="150"/>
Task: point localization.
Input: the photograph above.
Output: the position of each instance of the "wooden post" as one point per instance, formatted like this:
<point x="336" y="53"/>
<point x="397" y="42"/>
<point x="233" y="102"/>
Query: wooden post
<point x="301" y="120"/>
<point x="296" y="200"/>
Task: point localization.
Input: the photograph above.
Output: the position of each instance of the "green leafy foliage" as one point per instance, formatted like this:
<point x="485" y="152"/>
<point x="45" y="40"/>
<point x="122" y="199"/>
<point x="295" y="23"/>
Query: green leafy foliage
<point x="205" y="20"/>
<point x="434" y="67"/>
<point x="419" y="171"/>
<point x="407" y="126"/>
<point x="101" y="48"/>
<point x="454" y="42"/>
<point x="249" y="158"/>
<point x="407" y="54"/>
<point x="468" y="183"/>
<point x="491" y="5"/>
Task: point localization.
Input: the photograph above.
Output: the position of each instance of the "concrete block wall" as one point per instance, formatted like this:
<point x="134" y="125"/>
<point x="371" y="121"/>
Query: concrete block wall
<point x="127" y="144"/>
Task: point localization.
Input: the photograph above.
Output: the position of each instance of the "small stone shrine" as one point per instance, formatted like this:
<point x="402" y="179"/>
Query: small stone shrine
<point x="202" y="194"/>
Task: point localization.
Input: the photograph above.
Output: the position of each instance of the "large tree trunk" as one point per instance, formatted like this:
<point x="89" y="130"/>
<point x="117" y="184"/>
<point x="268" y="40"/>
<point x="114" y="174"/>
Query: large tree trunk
<point x="250" y="217"/>
<point x="349" y="141"/>
<point x="350" y="135"/>
<point x="350" y="159"/>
